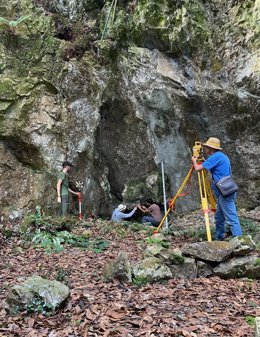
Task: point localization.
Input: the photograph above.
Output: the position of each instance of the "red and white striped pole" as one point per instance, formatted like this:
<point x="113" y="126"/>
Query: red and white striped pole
<point x="80" y="202"/>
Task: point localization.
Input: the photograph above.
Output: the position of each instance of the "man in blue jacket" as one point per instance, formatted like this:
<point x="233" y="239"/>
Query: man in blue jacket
<point x="219" y="166"/>
<point x="119" y="213"/>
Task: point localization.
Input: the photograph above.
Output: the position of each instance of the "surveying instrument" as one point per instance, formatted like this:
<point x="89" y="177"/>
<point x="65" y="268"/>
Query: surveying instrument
<point x="206" y="194"/>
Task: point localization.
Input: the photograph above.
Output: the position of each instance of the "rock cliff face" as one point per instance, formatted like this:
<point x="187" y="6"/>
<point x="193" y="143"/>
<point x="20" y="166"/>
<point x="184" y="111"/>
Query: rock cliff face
<point x="117" y="88"/>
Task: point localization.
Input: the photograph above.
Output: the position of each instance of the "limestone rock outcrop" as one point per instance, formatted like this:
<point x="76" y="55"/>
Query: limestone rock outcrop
<point x="117" y="99"/>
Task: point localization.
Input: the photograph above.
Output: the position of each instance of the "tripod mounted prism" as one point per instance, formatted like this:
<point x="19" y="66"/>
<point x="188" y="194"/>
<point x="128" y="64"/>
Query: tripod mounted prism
<point x="206" y="194"/>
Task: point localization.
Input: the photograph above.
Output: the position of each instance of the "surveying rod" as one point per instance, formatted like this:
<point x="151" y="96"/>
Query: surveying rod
<point x="173" y="200"/>
<point x="80" y="202"/>
<point x="164" y="195"/>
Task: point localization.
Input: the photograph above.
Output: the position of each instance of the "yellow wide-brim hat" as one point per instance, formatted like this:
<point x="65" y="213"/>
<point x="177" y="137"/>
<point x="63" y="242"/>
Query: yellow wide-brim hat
<point x="214" y="143"/>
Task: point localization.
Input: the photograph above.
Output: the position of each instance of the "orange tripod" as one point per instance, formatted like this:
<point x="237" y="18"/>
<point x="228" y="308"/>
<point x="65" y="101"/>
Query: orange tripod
<point x="206" y="193"/>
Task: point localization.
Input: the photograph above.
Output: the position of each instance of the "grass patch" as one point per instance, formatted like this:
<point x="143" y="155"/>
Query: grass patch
<point x="140" y="281"/>
<point x="152" y="240"/>
<point x="249" y="227"/>
<point x="250" y="320"/>
<point x="33" y="222"/>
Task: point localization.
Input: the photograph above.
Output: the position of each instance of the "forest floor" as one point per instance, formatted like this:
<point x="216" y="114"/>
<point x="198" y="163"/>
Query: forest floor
<point x="202" y="307"/>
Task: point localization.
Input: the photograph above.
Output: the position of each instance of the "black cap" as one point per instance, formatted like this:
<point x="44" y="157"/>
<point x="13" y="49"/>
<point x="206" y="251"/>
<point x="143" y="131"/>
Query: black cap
<point x="66" y="163"/>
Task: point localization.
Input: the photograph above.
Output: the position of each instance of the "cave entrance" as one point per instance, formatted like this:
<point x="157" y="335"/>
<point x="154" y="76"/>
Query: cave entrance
<point x="123" y="146"/>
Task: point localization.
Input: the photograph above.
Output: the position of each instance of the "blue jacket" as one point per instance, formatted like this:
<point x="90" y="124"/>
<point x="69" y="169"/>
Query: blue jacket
<point x="117" y="216"/>
<point x="219" y="166"/>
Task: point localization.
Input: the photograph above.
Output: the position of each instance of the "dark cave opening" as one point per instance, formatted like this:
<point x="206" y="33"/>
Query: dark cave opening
<point x="122" y="146"/>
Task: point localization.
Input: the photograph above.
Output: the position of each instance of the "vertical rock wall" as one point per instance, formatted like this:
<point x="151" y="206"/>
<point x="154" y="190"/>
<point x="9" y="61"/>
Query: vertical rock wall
<point x="162" y="76"/>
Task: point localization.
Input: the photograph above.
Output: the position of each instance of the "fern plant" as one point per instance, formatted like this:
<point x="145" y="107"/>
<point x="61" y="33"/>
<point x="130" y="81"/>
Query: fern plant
<point x="55" y="242"/>
<point x="13" y="24"/>
<point x="110" y="18"/>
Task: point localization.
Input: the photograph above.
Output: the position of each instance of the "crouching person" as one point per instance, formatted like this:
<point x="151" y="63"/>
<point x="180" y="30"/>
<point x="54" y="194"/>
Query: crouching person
<point x="154" y="215"/>
<point x="119" y="213"/>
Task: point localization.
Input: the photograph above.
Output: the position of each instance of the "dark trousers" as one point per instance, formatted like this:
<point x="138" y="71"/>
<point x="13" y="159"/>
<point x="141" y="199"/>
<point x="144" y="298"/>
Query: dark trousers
<point x="150" y="219"/>
<point x="64" y="205"/>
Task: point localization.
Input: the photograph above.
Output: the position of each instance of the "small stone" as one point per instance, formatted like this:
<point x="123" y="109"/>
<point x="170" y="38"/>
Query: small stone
<point x="257" y="327"/>
<point x="120" y="269"/>
<point x="87" y="234"/>
<point x="152" y="270"/>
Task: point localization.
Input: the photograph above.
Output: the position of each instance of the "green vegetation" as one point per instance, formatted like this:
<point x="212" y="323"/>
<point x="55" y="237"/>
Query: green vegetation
<point x="173" y="24"/>
<point x="201" y="235"/>
<point x="55" y="243"/>
<point x="110" y="18"/>
<point x="124" y="228"/>
<point x="250" y="320"/>
<point x="138" y="227"/>
<point x="13" y="24"/>
<point x="249" y="227"/>
<point x="140" y="281"/>
<point x="52" y="233"/>
<point x="6" y="231"/>
<point x="61" y="275"/>
<point x="50" y="224"/>
<point x="153" y="240"/>
<point x="257" y="262"/>
<point x="38" y="306"/>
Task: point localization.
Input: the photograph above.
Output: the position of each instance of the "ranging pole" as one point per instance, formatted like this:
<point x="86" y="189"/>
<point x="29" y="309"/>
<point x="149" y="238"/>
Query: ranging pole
<point x="164" y="196"/>
<point x="80" y="203"/>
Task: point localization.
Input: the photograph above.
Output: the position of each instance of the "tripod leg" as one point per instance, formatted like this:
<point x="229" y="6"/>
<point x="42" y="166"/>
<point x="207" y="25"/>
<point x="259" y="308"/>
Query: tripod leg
<point x="173" y="200"/>
<point x="210" y="194"/>
<point x="162" y="221"/>
<point x="204" y="202"/>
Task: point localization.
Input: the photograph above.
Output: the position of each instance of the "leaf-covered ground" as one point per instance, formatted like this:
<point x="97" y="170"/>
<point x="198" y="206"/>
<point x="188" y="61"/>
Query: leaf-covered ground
<point x="202" y="307"/>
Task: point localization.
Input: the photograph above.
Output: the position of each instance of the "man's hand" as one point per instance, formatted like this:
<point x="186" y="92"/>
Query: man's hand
<point x="73" y="192"/>
<point x="197" y="166"/>
<point x="194" y="159"/>
<point x="59" y="199"/>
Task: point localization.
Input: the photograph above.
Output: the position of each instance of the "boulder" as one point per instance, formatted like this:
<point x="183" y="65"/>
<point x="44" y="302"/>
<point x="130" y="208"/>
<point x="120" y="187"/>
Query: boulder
<point x="246" y="266"/>
<point x="151" y="269"/>
<point x="37" y="294"/>
<point x="187" y="269"/>
<point x="147" y="186"/>
<point x="171" y="256"/>
<point x="244" y="244"/>
<point x="153" y="250"/>
<point x="167" y="256"/>
<point x="120" y="269"/>
<point x="214" y="251"/>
